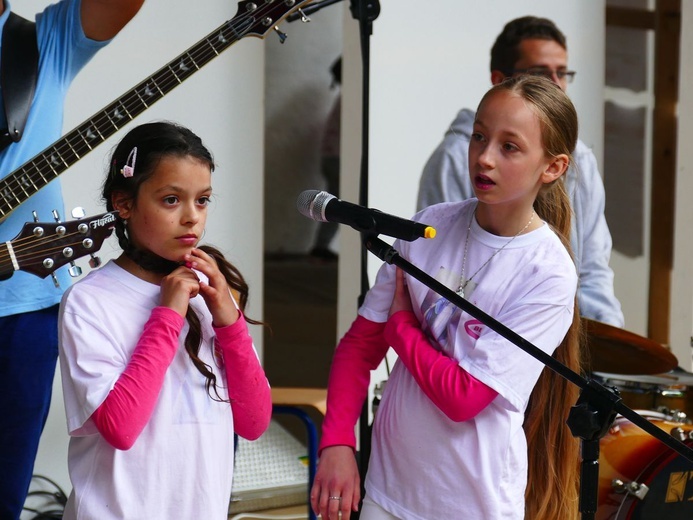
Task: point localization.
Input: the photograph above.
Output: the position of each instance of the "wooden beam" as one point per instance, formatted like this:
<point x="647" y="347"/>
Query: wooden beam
<point x="631" y="18"/>
<point x="666" y="71"/>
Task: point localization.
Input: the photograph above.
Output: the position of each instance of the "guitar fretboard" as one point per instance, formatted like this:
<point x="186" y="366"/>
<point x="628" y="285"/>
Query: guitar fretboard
<point x="51" y="162"/>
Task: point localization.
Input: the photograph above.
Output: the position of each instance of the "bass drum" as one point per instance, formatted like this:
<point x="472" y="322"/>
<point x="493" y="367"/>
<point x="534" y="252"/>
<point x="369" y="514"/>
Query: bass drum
<point x="630" y="458"/>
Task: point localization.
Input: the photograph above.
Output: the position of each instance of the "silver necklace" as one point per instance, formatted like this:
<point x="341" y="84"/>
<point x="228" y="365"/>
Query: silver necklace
<point x="465" y="282"/>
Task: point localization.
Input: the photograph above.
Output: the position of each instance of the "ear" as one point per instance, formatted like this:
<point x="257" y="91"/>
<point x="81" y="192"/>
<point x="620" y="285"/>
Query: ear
<point x="122" y="203"/>
<point x="556" y="167"/>
<point x="497" y="77"/>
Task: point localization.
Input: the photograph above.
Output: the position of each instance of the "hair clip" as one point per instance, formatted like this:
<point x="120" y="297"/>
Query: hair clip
<point x="129" y="169"/>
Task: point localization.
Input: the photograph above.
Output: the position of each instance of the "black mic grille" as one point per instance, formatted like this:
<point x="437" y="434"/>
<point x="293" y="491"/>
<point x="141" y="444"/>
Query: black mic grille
<point x="311" y="203"/>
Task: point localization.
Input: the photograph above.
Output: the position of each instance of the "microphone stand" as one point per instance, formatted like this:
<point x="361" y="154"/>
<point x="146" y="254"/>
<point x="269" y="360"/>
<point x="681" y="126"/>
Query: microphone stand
<point x="596" y="407"/>
<point x="365" y="11"/>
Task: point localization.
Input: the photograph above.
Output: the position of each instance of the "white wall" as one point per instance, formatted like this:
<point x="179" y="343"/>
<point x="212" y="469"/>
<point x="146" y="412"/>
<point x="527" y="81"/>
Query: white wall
<point x="223" y="103"/>
<point x="682" y="282"/>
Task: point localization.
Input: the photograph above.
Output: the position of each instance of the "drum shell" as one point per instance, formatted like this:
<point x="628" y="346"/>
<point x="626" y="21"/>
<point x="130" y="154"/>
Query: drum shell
<point x="629" y="454"/>
<point x="661" y="393"/>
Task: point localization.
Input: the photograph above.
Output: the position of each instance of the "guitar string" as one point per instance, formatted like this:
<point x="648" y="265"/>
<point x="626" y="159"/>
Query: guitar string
<point x="23" y="252"/>
<point x="199" y="53"/>
<point x="26" y="243"/>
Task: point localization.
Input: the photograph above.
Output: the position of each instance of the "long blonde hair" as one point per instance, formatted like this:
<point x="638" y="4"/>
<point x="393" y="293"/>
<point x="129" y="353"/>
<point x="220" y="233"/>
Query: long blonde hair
<point x="553" y="453"/>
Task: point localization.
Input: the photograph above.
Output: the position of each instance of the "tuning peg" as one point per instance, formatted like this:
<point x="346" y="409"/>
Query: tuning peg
<point x="59" y="230"/>
<point x="304" y="17"/>
<point x="88" y="243"/>
<point x="94" y="262"/>
<point x="74" y="270"/>
<point x="282" y="35"/>
<point x="55" y="280"/>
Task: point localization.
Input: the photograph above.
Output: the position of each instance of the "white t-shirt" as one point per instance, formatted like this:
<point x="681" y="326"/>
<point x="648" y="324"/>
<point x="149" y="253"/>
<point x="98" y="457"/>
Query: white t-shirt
<point x="181" y="466"/>
<point x="423" y="465"/>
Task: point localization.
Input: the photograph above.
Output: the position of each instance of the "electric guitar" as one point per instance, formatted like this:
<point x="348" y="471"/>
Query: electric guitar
<point x="252" y="19"/>
<point x="42" y="247"/>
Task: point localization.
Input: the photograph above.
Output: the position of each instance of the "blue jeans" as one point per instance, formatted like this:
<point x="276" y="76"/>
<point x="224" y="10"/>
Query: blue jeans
<point x="28" y="356"/>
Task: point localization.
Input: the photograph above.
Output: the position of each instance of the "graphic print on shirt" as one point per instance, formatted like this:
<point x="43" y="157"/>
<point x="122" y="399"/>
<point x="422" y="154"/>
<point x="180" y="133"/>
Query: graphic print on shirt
<point x="442" y="318"/>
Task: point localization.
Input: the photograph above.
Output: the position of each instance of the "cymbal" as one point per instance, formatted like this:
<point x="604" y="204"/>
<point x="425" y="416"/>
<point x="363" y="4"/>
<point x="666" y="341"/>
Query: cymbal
<point x="619" y="351"/>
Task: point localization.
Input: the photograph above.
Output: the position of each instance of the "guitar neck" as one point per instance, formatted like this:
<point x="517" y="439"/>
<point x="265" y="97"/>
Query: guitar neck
<point x="54" y="160"/>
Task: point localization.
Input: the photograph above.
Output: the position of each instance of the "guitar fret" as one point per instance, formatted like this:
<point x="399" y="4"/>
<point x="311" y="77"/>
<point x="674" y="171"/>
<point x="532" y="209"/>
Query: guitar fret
<point x="6" y="207"/>
<point x="88" y="136"/>
<point x="206" y="57"/>
<point x="132" y="105"/>
<point x="10" y="194"/>
<point x="214" y="49"/>
<point x="6" y="193"/>
<point x="37" y="173"/>
<point x="25" y="182"/>
<point x="142" y="99"/>
<point x="7" y="196"/>
<point x="175" y="76"/>
<point x="185" y="71"/>
<point x="144" y="93"/>
<point x="71" y="148"/>
<point x="28" y="187"/>
<point x="160" y="92"/>
<point x="110" y="119"/>
<point x="55" y="159"/>
<point x="117" y="113"/>
<point x="184" y="67"/>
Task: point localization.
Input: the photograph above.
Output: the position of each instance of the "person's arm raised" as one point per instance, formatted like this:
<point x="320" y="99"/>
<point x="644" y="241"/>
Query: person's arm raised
<point x="103" y="19"/>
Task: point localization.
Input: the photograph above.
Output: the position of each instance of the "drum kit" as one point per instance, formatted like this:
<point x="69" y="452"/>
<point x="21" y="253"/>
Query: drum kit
<point x="639" y="477"/>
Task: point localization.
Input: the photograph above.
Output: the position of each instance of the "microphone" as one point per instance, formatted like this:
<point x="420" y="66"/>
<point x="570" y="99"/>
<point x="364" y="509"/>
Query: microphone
<point x="323" y="207"/>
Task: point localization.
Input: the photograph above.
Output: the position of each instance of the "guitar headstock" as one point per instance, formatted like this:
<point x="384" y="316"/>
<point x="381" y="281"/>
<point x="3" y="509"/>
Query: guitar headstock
<point x="256" y="18"/>
<point x="42" y="247"/>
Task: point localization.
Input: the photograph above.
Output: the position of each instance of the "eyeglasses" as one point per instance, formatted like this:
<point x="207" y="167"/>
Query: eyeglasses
<point x="562" y="75"/>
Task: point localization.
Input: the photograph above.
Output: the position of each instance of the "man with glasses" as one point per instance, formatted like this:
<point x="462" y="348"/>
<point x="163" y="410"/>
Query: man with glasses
<point x="531" y="45"/>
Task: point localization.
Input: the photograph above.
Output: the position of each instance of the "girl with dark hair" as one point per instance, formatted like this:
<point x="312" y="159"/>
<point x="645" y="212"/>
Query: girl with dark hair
<point x="471" y="426"/>
<point x="158" y="367"/>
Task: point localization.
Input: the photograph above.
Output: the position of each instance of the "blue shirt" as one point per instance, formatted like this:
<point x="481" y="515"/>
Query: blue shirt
<point x="63" y="49"/>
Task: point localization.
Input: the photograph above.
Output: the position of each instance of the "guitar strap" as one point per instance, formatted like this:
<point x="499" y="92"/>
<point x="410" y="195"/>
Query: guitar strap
<point x="18" y="75"/>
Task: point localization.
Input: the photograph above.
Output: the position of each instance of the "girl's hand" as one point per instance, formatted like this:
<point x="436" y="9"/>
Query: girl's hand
<point x="337" y="476"/>
<point x="401" y="300"/>
<point x="177" y="288"/>
<point x="216" y="293"/>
